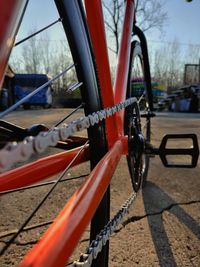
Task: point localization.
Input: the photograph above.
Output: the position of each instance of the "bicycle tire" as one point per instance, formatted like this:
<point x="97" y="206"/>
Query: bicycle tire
<point x="86" y="72"/>
<point x="78" y="39"/>
<point x="138" y="164"/>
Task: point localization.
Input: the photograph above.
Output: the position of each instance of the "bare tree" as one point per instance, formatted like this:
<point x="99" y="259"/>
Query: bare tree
<point x="35" y="56"/>
<point x="149" y="13"/>
<point x="31" y="55"/>
<point x="40" y="55"/>
<point x="16" y="62"/>
<point x="159" y="69"/>
<point x="193" y="54"/>
<point x="168" y="67"/>
<point x="175" y="66"/>
<point x="46" y="54"/>
<point x="60" y="60"/>
<point x="113" y="21"/>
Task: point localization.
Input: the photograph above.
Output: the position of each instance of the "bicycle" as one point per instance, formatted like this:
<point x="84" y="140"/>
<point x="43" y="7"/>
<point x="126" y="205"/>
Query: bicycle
<point x="117" y="123"/>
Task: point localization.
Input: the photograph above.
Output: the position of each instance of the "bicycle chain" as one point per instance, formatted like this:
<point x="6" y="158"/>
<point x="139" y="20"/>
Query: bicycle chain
<point x="96" y="245"/>
<point x="15" y="152"/>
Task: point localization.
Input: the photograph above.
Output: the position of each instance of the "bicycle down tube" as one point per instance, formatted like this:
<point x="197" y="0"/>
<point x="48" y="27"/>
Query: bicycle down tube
<point x="58" y="241"/>
<point x="115" y="120"/>
<point x="88" y="197"/>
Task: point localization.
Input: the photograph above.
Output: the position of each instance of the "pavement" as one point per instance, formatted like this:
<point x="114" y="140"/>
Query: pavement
<point x="161" y="229"/>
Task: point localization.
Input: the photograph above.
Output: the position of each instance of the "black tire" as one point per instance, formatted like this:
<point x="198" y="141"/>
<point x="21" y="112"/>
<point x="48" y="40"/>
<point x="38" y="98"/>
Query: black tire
<point x="75" y="28"/>
<point x="81" y="49"/>
<point x="26" y="106"/>
<point x="137" y="119"/>
<point x="46" y="106"/>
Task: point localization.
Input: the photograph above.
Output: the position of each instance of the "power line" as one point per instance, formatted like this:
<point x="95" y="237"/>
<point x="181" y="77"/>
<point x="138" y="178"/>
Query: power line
<point x="167" y="42"/>
<point x="149" y="41"/>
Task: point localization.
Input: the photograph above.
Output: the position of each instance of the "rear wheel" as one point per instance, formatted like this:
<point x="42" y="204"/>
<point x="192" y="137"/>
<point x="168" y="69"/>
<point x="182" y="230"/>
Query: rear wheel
<point x="137" y="117"/>
<point x="86" y="74"/>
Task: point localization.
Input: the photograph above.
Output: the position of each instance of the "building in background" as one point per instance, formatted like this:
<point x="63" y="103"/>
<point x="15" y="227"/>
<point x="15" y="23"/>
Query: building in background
<point x="192" y="74"/>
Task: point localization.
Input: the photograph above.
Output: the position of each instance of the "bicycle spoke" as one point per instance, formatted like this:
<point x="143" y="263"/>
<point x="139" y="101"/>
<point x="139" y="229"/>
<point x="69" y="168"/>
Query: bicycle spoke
<point x="42" y="201"/>
<point x="70" y="114"/>
<point x="37" y="32"/>
<point x="60" y="137"/>
<point x="140" y="99"/>
<point x="13" y="107"/>
<point x="73" y="87"/>
<point x="43" y="184"/>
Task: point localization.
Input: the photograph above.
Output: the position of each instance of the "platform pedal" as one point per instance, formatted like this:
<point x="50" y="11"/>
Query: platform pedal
<point x="190" y="154"/>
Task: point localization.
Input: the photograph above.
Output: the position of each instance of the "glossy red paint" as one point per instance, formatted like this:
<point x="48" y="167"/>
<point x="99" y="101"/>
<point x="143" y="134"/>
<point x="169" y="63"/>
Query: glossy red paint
<point x="40" y="169"/>
<point x="97" y="32"/>
<point x="123" y="62"/>
<point x="59" y="241"/>
<point x="114" y="124"/>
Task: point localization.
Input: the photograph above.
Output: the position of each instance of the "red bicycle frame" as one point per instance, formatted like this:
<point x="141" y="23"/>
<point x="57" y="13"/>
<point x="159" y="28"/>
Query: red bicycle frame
<point x="59" y="241"/>
<point x="11" y="12"/>
<point x="117" y="94"/>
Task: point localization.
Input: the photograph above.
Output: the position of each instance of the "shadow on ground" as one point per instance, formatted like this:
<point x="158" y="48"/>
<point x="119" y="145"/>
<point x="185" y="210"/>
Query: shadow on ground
<point x="156" y="201"/>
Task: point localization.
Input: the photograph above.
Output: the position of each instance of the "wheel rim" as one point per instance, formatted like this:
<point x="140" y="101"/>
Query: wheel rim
<point x="138" y="162"/>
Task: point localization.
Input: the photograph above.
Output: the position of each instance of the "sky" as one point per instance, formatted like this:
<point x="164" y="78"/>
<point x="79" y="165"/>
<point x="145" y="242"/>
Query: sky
<point x="38" y="15"/>
<point x="183" y="19"/>
<point x="182" y="24"/>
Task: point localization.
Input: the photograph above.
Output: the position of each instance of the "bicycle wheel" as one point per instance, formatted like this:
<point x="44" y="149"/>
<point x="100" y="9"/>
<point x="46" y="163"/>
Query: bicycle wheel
<point x="85" y="69"/>
<point x="137" y="117"/>
<point x="86" y="72"/>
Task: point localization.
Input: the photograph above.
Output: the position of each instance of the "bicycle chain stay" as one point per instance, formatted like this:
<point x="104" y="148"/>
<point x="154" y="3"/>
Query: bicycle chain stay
<point x="15" y="152"/>
<point x="96" y="245"/>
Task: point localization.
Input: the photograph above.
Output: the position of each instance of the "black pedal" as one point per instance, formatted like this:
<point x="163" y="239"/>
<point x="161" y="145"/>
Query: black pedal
<point x="190" y="154"/>
<point x="149" y="114"/>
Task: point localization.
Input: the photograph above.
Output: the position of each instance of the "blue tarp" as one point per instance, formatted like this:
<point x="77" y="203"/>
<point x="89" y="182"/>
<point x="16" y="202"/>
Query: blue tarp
<point x="27" y="83"/>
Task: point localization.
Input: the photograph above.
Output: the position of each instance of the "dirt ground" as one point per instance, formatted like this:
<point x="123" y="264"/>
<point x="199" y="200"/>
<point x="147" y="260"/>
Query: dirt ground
<point x="161" y="229"/>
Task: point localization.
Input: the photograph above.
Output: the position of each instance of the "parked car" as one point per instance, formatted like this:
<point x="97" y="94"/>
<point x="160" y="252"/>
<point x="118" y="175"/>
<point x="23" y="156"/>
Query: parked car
<point x="164" y="104"/>
<point x="192" y="92"/>
<point x="27" y="83"/>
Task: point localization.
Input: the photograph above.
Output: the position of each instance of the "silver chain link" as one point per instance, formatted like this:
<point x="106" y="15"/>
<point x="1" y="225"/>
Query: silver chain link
<point x="96" y="245"/>
<point x="15" y="152"/>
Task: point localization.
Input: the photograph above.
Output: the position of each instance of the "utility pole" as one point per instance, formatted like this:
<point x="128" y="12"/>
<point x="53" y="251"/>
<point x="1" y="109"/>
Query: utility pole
<point x="199" y="71"/>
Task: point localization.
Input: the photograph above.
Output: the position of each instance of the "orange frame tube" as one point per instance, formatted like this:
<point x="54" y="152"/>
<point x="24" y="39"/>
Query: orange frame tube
<point x="63" y="235"/>
<point x="115" y="125"/>
<point x="98" y="36"/>
<point x="59" y="241"/>
<point x="121" y="80"/>
<point x="41" y="169"/>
